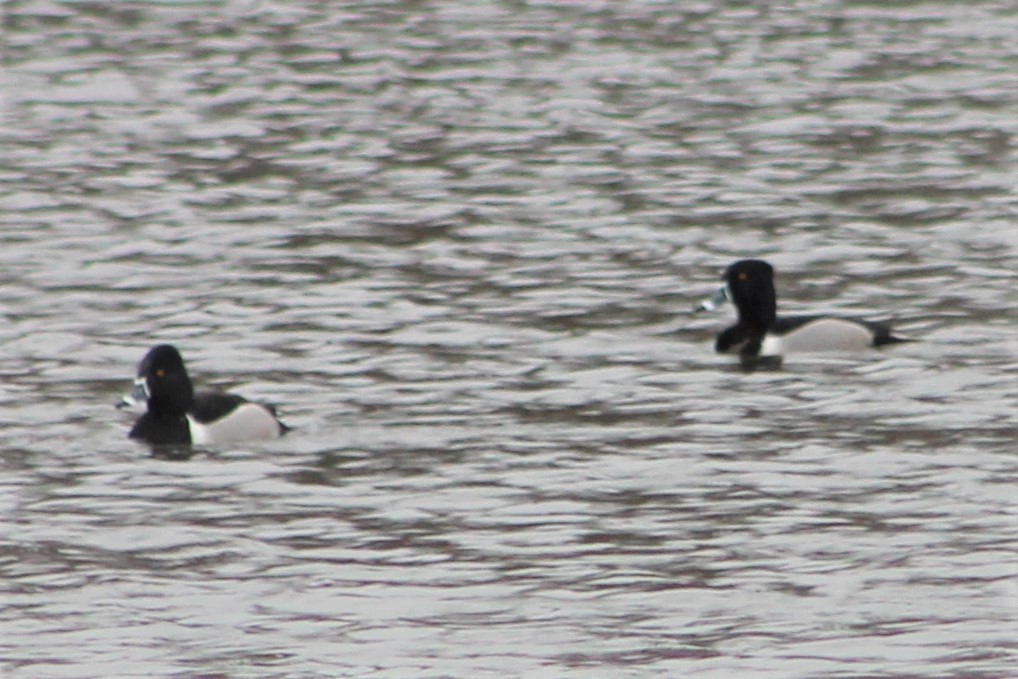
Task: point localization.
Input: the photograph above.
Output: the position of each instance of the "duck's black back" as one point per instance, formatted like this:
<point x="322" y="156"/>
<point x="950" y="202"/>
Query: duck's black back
<point x="209" y="406"/>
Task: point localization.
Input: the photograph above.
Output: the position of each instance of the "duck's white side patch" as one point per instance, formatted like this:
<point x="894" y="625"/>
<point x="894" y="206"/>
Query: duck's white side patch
<point x="828" y="334"/>
<point x="772" y="345"/>
<point x="248" y="422"/>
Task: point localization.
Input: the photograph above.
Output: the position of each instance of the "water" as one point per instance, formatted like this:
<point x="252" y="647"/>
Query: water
<point x="457" y="243"/>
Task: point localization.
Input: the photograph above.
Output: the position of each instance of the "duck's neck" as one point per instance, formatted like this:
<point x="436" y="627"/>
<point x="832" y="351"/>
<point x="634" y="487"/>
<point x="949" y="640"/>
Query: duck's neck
<point x="172" y="402"/>
<point x="759" y="311"/>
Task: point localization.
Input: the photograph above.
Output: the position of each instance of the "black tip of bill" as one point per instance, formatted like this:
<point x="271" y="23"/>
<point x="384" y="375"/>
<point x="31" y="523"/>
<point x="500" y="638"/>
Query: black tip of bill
<point x="138" y="395"/>
<point x="713" y="302"/>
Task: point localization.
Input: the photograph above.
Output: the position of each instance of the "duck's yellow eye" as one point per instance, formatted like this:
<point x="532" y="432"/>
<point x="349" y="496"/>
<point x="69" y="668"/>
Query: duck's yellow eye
<point x="160" y="373"/>
<point x="742" y="276"/>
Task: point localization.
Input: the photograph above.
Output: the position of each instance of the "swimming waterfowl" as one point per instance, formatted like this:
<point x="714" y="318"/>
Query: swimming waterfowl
<point x="759" y="331"/>
<point x="176" y="414"/>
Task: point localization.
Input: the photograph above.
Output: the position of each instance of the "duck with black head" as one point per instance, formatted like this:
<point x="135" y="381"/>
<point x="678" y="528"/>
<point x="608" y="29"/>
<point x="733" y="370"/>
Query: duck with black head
<point x="760" y="331"/>
<point x="176" y="414"/>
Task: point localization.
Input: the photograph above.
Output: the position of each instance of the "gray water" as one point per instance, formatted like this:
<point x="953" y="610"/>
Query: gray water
<point x="457" y="243"/>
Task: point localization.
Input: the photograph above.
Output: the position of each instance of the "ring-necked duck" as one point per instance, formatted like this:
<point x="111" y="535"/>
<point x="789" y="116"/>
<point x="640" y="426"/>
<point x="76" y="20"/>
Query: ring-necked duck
<point x="178" y="415"/>
<point x="749" y="283"/>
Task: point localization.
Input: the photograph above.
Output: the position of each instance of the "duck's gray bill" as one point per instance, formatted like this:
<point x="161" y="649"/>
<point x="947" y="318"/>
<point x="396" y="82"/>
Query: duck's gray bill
<point x="719" y="298"/>
<point x="138" y="395"/>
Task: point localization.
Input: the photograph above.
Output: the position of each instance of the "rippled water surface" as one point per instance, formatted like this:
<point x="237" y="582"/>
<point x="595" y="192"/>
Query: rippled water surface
<point x="457" y="243"/>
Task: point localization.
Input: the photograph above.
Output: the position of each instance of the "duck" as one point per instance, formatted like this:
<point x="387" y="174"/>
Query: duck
<point x="178" y="415"/>
<point x="759" y="331"/>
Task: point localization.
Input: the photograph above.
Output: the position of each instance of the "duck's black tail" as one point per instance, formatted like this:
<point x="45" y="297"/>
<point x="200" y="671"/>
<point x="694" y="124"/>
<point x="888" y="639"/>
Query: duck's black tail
<point x="882" y="335"/>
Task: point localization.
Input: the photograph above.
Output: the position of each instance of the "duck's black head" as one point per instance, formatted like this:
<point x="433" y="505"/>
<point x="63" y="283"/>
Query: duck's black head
<point x="164" y="381"/>
<point x="751" y="287"/>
